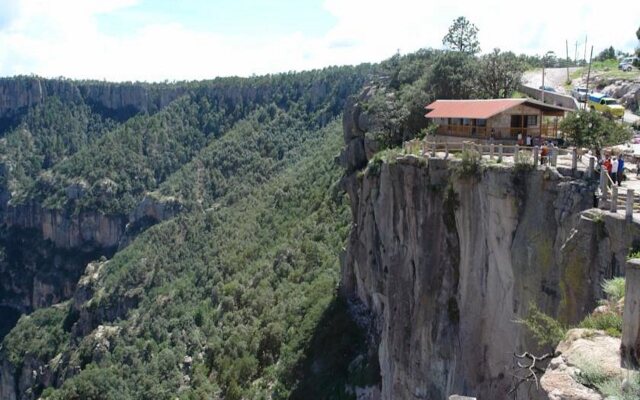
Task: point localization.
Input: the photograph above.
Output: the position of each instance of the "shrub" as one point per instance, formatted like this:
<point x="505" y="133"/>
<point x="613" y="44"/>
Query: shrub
<point x="609" y="322"/>
<point x="523" y="161"/>
<point x="470" y="165"/>
<point x="614" y="289"/>
<point x="544" y="329"/>
<point x="591" y="375"/>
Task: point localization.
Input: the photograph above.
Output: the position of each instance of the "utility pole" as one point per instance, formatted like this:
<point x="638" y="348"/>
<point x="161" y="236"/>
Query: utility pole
<point x="543" y="62"/>
<point x="567" y="59"/>
<point x="585" y="48"/>
<point x="575" y="55"/>
<point x="586" y="100"/>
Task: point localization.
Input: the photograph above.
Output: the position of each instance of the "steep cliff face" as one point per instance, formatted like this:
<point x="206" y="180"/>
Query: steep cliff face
<point x="448" y="262"/>
<point x="44" y="251"/>
<point x="115" y="100"/>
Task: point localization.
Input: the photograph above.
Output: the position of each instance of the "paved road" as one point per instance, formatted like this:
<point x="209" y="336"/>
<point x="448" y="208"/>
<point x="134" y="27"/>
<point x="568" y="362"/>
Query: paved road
<point x="554" y="77"/>
<point x="630" y="117"/>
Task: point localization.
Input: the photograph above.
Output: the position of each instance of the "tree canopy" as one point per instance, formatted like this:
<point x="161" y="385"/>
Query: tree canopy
<point x="607" y="54"/>
<point x="462" y="36"/>
<point x="498" y="74"/>
<point x="591" y="129"/>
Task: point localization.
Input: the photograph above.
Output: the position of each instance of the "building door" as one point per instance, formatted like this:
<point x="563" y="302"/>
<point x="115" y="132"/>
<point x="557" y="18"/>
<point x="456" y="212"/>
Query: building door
<point x="516" y="125"/>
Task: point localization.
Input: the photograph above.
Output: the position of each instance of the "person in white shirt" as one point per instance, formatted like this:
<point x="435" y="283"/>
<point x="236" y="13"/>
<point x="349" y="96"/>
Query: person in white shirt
<point x="614" y="169"/>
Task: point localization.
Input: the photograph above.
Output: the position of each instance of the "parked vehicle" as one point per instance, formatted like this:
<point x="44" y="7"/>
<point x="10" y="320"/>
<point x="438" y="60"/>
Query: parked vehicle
<point x="604" y="104"/>
<point x="628" y="62"/>
<point x="547" y="88"/>
<point x="579" y="93"/>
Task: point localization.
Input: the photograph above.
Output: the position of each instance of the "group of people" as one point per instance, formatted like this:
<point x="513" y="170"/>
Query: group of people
<point x="615" y="168"/>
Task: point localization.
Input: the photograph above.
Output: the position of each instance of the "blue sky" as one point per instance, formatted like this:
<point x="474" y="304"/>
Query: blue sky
<point x="156" y="40"/>
<point x="237" y="17"/>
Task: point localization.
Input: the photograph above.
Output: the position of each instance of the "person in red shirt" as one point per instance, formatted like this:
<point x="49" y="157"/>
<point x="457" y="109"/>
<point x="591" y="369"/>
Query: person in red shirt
<point x="607" y="165"/>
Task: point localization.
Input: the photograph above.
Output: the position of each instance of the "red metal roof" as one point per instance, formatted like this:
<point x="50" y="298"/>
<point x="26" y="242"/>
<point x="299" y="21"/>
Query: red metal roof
<point x="483" y="109"/>
<point x="480" y="109"/>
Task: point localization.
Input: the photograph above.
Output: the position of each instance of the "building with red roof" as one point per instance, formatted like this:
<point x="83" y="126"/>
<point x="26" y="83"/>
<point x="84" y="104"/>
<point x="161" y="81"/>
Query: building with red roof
<point x="498" y="118"/>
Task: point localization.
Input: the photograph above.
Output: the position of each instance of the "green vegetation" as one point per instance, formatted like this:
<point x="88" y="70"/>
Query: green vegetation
<point x="547" y="331"/>
<point x="241" y="290"/>
<point x="603" y="70"/>
<point x="593" y="130"/>
<point x="614" y="289"/>
<point x="62" y="145"/>
<point x="407" y="83"/>
<point x="235" y="297"/>
<point x="39" y="334"/>
<point x="593" y="376"/>
<point x="523" y="161"/>
<point x="462" y="37"/>
<point x="470" y="165"/>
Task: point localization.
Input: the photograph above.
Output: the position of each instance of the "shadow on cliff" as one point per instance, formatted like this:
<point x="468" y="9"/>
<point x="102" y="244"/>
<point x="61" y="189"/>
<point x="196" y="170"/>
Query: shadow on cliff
<point x="335" y="360"/>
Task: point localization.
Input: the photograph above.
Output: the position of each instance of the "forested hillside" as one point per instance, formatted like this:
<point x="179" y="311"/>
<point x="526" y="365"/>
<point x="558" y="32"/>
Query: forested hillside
<point x="184" y="240"/>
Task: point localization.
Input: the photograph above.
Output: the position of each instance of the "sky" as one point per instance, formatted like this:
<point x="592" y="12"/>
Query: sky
<point x="158" y="40"/>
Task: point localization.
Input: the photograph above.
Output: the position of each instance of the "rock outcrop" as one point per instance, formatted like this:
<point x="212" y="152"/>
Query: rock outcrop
<point x="447" y="263"/>
<point x="627" y="92"/>
<point x="582" y="353"/>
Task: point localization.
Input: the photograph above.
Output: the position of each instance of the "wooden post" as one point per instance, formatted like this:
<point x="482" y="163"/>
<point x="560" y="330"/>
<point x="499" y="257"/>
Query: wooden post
<point x="568" y="79"/>
<point x="536" y="155"/>
<point x="515" y="152"/>
<point x="574" y="159"/>
<point x="500" y="152"/>
<point x="491" y="150"/>
<point x="425" y="146"/>
<point x="592" y="163"/>
<point x="614" y="199"/>
<point x="588" y="73"/>
<point x="629" y="206"/>
<point x="434" y="148"/>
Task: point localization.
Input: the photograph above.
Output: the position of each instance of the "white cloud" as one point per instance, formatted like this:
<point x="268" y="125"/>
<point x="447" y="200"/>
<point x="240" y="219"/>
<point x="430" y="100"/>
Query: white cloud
<point x="62" y="38"/>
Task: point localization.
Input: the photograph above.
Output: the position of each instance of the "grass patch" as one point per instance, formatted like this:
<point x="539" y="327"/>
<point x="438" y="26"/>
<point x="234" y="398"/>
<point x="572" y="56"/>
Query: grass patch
<point x="609" y="322"/>
<point x="470" y="165"/>
<point x="593" y="376"/>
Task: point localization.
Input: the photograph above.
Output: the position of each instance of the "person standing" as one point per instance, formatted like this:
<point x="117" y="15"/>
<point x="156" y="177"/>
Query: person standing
<point x="620" y="170"/>
<point x="614" y="169"/>
<point x="607" y="165"/>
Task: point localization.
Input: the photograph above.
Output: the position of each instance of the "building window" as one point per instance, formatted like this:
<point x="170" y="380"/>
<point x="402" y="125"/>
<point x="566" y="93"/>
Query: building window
<point x="466" y="122"/>
<point x="481" y="122"/>
<point x="532" y="120"/>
